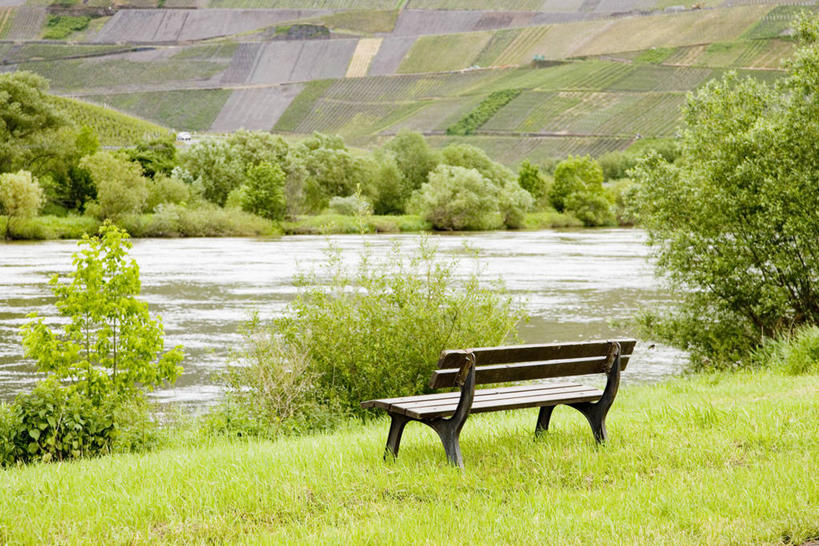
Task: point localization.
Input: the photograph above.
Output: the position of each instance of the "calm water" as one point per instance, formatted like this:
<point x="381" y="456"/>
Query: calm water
<point x="574" y="284"/>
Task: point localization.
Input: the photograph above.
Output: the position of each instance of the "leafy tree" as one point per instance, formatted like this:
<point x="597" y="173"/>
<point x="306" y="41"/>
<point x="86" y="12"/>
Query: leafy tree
<point x="574" y="174"/>
<point x="215" y="166"/>
<point x="330" y="172"/>
<point x="472" y="157"/>
<point x="121" y="188"/>
<point x="531" y="180"/>
<point x="458" y="198"/>
<point x="415" y="159"/>
<point x="110" y="344"/>
<point x="20" y="196"/>
<point x="264" y="195"/>
<point x="733" y="222"/>
<point x="388" y="190"/>
<point x="157" y="156"/>
<point x="26" y="119"/>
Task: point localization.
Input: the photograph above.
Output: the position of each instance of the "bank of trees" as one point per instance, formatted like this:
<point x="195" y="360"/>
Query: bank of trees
<point x="250" y="179"/>
<point x="733" y="222"/>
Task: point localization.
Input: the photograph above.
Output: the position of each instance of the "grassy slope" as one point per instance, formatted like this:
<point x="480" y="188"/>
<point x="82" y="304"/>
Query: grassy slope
<point x="709" y="460"/>
<point x="192" y="110"/>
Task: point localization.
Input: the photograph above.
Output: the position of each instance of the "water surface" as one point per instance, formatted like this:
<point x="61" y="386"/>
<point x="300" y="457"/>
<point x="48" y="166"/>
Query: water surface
<point x="574" y="283"/>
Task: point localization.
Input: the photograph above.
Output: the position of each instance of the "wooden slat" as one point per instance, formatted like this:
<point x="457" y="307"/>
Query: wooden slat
<point x="386" y="403"/>
<point x="500" y="373"/>
<point x="443" y="410"/>
<point x="529" y="353"/>
<point x="481" y="396"/>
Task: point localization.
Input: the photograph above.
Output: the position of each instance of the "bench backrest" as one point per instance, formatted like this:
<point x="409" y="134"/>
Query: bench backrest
<point x="526" y="362"/>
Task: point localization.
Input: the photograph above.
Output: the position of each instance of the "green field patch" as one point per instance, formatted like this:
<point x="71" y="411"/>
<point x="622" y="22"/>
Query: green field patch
<point x="483" y="112"/>
<point x="6" y="15"/>
<point x="554" y="105"/>
<point x="113" y="128"/>
<point x="59" y="27"/>
<point x="504" y="5"/>
<point x="307" y="4"/>
<point x="651" y="115"/>
<point x="441" y="53"/>
<point x="499" y="42"/>
<point x="777" y="22"/>
<point x="513" y="149"/>
<point x="344" y="118"/>
<point x="301" y="106"/>
<point x="427" y="116"/>
<point x="102" y="73"/>
<point x="518" y="50"/>
<point x="513" y="115"/>
<point x="660" y="78"/>
<point x="189" y="110"/>
<point x="361" y="20"/>
<point x="35" y="51"/>
<point x="224" y="50"/>
<point x="655" y="55"/>
<point x="770" y="55"/>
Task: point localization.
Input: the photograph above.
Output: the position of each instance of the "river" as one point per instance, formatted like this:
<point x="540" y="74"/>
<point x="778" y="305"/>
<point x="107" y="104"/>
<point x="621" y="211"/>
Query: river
<point x="574" y="284"/>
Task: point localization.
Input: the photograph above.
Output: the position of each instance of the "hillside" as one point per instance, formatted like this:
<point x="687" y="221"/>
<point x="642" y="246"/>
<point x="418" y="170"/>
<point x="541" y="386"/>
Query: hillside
<point x="593" y="75"/>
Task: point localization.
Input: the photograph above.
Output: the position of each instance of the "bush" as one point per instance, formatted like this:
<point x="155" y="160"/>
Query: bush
<point x="263" y="193"/>
<point x="354" y="205"/>
<point x="458" y="198"/>
<point x="531" y="180"/>
<point x="615" y="165"/>
<point x="62" y="26"/>
<point x="578" y="189"/>
<point x="208" y="220"/>
<point x="164" y="189"/>
<point x="376" y="331"/>
<point x="485" y="110"/>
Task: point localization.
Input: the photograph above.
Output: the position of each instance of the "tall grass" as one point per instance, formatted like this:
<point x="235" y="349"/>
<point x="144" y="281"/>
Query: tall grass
<point x="713" y="459"/>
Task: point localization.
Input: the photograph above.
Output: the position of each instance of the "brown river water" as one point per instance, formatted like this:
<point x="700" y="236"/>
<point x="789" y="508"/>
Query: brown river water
<point x="574" y="284"/>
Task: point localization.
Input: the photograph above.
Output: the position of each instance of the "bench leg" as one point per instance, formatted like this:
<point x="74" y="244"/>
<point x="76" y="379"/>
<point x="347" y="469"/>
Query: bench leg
<point x="543" y="418"/>
<point x="449" y="432"/>
<point x="596" y="416"/>
<point x="394" y="437"/>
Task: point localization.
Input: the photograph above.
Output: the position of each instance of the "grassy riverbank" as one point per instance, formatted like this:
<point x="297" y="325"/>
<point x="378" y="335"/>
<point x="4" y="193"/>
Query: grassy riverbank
<point x="233" y="223"/>
<point x="713" y="459"/>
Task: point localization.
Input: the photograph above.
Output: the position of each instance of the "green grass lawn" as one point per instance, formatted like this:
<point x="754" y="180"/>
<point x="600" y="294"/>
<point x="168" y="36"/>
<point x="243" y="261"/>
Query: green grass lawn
<point x="713" y="459"/>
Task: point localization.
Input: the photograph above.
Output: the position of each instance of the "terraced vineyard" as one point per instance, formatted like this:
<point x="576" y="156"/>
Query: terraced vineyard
<point x="6" y="15"/>
<point x="112" y="127"/>
<point x="182" y="110"/>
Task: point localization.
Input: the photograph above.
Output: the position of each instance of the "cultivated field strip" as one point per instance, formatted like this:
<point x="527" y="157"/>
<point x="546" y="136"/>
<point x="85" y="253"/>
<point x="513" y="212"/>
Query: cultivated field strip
<point x="255" y="109"/>
<point x="184" y="110"/>
<point x="6" y="15"/>
<point x="512" y="116"/>
<point x="241" y="66"/>
<point x="390" y="54"/>
<point x="289" y="61"/>
<point x="513" y="149"/>
<point x="26" y="23"/>
<point x="525" y="41"/>
<point x="304" y="4"/>
<point x="165" y="26"/>
<point x="363" y="55"/>
<point x="342" y="118"/>
<point x="444" y="52"/>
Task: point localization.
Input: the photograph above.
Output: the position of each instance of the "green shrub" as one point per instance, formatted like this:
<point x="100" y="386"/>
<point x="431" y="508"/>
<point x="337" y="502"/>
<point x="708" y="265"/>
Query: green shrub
<point x="353" y="205"/>
<point x="615" y="165"/>
<point x="484" y="111"/>
<point x="549" y="219"/>
<point x="263" y="193"/>
<point x="377" y="330"/>
<point x="531" y="180"/>
<point x="793" y="355"/>
<point x="61" y="26"/>
<point x="164" y="189"/>
<point x="458" y="198"/>
<point x="207" y="220"/>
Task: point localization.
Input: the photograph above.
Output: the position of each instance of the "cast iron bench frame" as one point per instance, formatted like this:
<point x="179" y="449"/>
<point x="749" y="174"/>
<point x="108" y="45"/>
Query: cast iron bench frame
<point x="447" y="412"/>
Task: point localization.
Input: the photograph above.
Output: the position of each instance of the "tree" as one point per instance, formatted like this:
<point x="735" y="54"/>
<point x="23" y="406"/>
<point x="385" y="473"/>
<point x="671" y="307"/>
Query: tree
<point x="110" y="344"/>
<point x="156" y="156"/>
<point x="20" y="196"/>
<point x="458" y="198"/>
<point x="264" y="191"/>
<point x="215" y="166"/>
<point x="733" y="222"/>
<point x="26" y="117"/>
<point x="121" y="188"/>
<point x="531" y="180"/>
<point x="415" y="159"/>
<point x="578" y="188"/>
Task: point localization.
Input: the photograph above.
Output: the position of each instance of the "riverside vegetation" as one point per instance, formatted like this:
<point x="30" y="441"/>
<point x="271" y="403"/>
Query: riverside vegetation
<point x="726" y="455"/>
<point x="255" y="183"/>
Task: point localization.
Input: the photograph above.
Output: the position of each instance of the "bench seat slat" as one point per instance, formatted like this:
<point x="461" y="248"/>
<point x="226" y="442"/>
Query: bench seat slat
<point x="517" y="402"/>
<point x="386" y="403"/>
<point x="418" y="405"/>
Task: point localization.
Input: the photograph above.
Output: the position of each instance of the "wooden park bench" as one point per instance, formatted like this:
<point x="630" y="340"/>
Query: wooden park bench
<point x="447" y="412"/>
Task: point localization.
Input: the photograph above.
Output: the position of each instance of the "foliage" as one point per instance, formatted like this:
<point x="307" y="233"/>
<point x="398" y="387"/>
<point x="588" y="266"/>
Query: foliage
<point x="794" y="354"/>
<point x="110" y="344"/>
<point x="20" y="196"/>
<point x="164" y="189"/>
<point x="58" y="27"/>
<point x="377" y="330"/>
<point x="203" y="220"/>
<point x="531" y="180"/>
<point x="264" y="191"/>
<point x="121" y="188"/>
<point x="485" y="110"/>
<point x="578" y="188"/>
<point x="353" y="205"/>
<point x="156" y="155"/>
<point x="458" y="198"/>
<point x="324" y="224"/>
<point x="216" y="168"/>
<point x="733" y="222"/>
<point x="52" y="227"/>
<point x="389" y="188"/>
<point x="27" y="119"/>
<point x="415" y="159"/>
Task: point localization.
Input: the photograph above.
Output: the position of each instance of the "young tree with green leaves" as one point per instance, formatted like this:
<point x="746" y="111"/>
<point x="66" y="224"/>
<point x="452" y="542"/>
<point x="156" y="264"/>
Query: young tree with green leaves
<point x="110" y="346"/>
<point x="121" y="188"/>
<point x="733" y="221"/>
<point x="263" y="193"/>
<point x="20" y="197"/>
